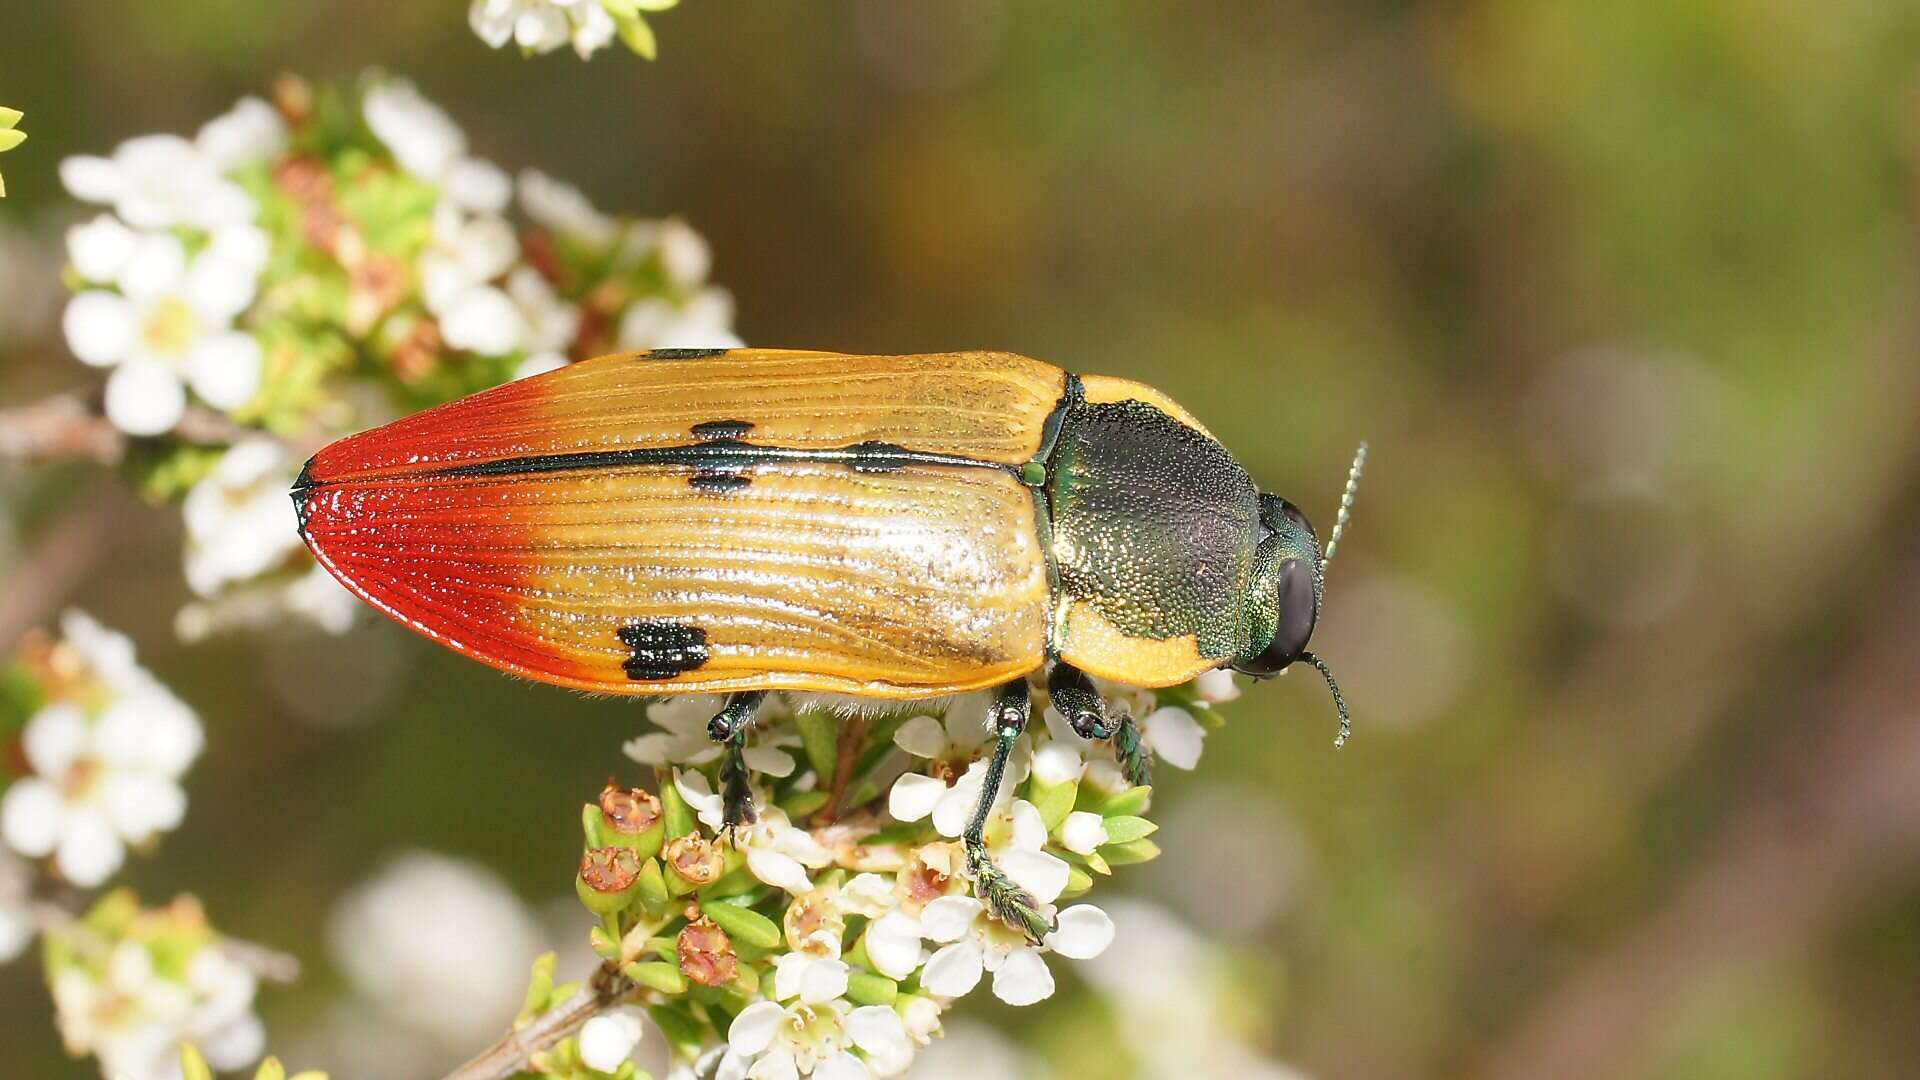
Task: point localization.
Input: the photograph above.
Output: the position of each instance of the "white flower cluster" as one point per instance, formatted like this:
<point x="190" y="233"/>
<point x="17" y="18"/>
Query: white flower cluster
<point x="159" y="312"/>
<point x="107" y="750"/>
<point x="134" y="1010"/>
<point x="541" y="26"/>
<point x="920" y="928"/>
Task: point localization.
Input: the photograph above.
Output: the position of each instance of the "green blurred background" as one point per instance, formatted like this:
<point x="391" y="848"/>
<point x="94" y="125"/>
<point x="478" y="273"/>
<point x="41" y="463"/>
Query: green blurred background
<point x="1623" y="294"/>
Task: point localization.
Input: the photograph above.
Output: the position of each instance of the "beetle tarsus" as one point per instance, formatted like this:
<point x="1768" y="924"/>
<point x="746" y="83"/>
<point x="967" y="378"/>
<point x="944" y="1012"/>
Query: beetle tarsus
<point x="1135" y="760"/>
<point x="729" y="727"/>
<point x="1073" y="695"/>
<point x="1010" y="903"/>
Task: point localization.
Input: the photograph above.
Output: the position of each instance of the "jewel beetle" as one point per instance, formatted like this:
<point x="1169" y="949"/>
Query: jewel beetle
<point x="896" y="527"/>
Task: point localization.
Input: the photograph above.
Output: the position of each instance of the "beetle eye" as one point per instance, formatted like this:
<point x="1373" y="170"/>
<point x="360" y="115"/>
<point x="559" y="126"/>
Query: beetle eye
<point x="1297" y="616"/>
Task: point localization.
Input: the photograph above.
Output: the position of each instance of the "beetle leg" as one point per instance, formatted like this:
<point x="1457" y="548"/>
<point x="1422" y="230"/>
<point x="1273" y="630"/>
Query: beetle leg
<point x="1013" y="905"/>
<point x="1072" y="693"/>
<point x="1135" y="761"/>
<point x="729" y="727"/>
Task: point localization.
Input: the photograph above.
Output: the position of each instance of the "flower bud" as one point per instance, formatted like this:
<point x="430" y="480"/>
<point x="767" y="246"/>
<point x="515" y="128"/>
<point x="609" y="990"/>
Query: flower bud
<point x="609" y="879"/>
<point x="706" y="954"/>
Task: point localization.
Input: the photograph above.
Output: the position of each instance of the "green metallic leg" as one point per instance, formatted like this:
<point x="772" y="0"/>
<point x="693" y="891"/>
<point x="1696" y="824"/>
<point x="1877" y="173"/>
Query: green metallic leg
<point x="1072" y="693"/>
<point x="729" y="728"/>
<point x="1011" y="904"/>
<point x="1135" y="761"/>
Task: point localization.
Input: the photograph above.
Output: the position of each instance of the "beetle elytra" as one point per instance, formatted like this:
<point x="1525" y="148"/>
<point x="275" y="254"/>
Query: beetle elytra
<point x="895" y="527"/>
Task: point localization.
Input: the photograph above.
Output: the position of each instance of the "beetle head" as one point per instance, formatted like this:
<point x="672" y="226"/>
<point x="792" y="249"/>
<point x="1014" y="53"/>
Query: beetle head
<point x="1289" y="579"/>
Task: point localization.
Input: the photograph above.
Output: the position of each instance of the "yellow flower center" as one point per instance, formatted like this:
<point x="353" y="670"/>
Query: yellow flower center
<point x="170" y="328"/>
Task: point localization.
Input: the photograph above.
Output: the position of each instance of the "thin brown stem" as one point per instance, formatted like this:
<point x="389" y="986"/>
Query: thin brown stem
<point x="852" y="734"/>
<point x="68" y="551"/>
<point x="511" y="1054"/>
<point x="72" y="427"/>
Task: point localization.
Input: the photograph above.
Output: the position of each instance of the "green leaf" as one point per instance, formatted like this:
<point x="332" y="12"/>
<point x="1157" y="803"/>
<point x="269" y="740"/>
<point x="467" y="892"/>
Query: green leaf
<point x="866" y="988"/>
<point x="681" y="1030"/>
<point x="539" y="990"/>
<point x="1054" y="801"/>
<point x="674" y="810"/>
<point x="1127" y="803"/>
<point x="192" y="1065"/>
<point x="592" y="824"/>
<point x="620" y="9"/>
<point x="271" y="1069"/>
<point x="1125" y="828"/>
<point x="9" y="117"/>
<point x="10" y="138"/>
<point x="802" y="803"/>
<point x="653" y="885"/>
<point x="656" y="5"/>
<point x="820" y="736"/>
<point x="638" y="36"/>
<point x="1078" y="882"/>
<point x="659" y="975"/>
<point x="1138" y="851"/>
<point x="745" y="924"/>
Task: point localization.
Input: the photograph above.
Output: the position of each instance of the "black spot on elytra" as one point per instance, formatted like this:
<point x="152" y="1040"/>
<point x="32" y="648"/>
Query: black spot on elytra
<point x="684" y="354"/>
<point x="718" y="481"/>
<point x="663" y="650"/>
<point x="877" y="456"/>
<point x="721" y="429"/>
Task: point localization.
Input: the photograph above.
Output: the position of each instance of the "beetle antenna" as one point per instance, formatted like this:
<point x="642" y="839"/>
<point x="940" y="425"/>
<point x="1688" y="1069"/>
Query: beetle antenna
<point x="1346" y="506"/>
<point x="1339" y="702"/>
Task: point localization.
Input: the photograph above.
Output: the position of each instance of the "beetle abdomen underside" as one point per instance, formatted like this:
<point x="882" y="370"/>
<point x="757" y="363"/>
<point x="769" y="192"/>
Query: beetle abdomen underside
<point x="657" y="531"/>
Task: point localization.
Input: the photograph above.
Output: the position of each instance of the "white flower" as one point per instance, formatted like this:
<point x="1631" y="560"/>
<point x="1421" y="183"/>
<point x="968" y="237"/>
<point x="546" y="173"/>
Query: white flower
<point x="104" y="776"/>
<point x="551" y="322"/>
<point x="685" y="255"/>
<point x="815" y="980"/>
<point x="1083" y="832"/>
<point x="252" y="131"/>
<point x="960" y="737"/>
<point x="768" y="1041"/>
<point x="778" y="853"/>
<point x="607" y="1040"/>
<point x="171" y="322"/>
<point x="240" y="523"/>
<point x="161" y="181"/>
<point x="429" y="145"/>
<point x="1173" y="735"/>
<point x="705" y="321"/>
<point x="133" y="1018"/>
<point x="541" y="26"/>
<point x="682" y="738"/>
<point x="1216" y="687"/>
<point x="16" y="912"/>
<point x="440" y="944"/>
<point x="561" y="208"/>
<point x="977" y="942"/>
<point x="319" y="597"/>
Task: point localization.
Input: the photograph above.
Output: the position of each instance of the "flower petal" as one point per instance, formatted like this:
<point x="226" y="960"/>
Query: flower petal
<point x="89" y="852"/>
<point x="31" y="816"/>
<point x="693" y="787"/>
<point x="770" y="761"/>
<point x="1083" y="832"/>
<point x="225" y="369"/>
<point x="953" y="971"/>
<point x="893" y="944"/>
<point x="949" y="918"/>
<point x="1043" y="875"/>
<point x="1174" y="736"/>
<point x="101" y="327"/>
<point x="922" y="736"/>
<point x="1023" y="979"/>
<point x="914" y="796"/>
<point x="100" y="247"/>
<point x="156" y="266"/>
<point x="753" y="1030"/>
<point x="144" y="397"/>
<point x="1029" y="829"/>
<point x="54" y="738"/>
<point x="775" y="868"/>
<point x="607" y="1040"/>
<point x="842" y="1066"/>
<point x="1057" y="762"/>
<point x="91" y="179"/>
<point x="1084" y="932"/>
